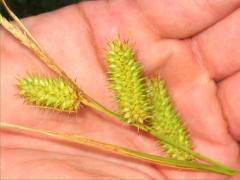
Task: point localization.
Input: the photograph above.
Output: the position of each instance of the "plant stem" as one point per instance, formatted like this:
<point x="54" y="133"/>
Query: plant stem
<point x="169" y="162"/>
<point x="97" y="106"/>
<point x="101" y="108"/>
<point x="193" y="153"/>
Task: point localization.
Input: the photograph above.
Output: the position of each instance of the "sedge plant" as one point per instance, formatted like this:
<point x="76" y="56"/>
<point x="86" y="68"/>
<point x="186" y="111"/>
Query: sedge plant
<point x="137" y="100"/>
<point x="142" y="105"/>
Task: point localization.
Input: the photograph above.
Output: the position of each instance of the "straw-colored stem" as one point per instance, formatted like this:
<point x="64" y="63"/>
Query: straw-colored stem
<point x="20" y="32"/>
<point x="169" y="162"/>
<point x="28" y="40"/>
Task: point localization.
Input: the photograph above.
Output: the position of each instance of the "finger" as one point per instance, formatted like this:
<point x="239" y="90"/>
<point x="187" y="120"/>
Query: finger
<point x="218" y="47"/>
<point x="172" y="19"/>
<point x="143" y="23"/>
<point x="229" y="94"/>
<point x="179" y="19"/>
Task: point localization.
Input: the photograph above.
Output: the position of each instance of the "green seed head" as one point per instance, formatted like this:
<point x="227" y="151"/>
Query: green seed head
<point x="127" y="82"/>
<point x="49" y="93"/>
<point x="167" y="121"/>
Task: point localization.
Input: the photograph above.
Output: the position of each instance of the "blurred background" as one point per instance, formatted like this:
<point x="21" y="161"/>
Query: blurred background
<point x="24" y="8"/>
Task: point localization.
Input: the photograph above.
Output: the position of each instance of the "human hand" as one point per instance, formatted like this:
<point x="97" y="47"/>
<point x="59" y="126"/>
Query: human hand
<point x="193" y="47"/>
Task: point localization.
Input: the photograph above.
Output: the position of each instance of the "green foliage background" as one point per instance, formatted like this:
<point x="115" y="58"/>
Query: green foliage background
<point x="24" y="8"/>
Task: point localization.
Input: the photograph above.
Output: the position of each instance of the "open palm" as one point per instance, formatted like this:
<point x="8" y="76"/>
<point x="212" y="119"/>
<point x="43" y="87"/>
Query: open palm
<point x="192" y="45"/>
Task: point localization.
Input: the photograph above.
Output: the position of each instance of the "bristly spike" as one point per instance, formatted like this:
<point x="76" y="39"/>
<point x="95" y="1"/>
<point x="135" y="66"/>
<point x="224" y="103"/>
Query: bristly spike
<point x="166" y="120"/>
<point x="127" y="81"/>
<point x="49" y="93"/>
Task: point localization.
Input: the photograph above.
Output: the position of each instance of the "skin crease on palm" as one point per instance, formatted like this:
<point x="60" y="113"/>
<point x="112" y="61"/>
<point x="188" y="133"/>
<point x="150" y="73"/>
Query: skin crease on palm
<point x="192" y="45"/>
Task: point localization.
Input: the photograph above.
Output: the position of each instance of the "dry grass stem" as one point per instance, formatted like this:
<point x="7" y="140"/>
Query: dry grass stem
<point x="73" y="138"/>
<point x="20" y="32"/>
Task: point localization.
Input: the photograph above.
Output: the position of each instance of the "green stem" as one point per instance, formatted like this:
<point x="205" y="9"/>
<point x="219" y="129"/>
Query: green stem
<point x="95" y="105"/>
<point x="178" y="163"/>
<point x="193" y="153"/>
